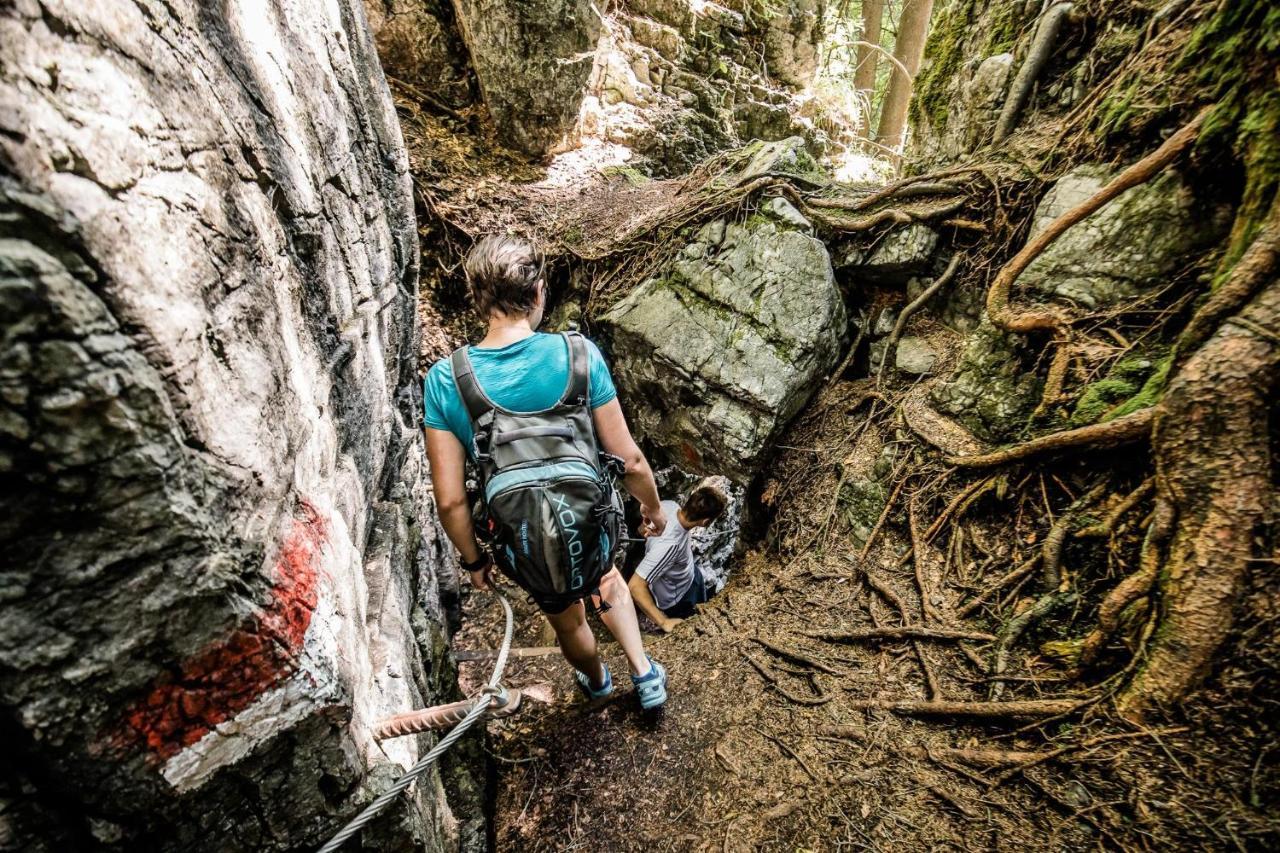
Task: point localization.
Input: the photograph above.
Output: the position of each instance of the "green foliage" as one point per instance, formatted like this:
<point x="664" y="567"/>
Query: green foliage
<point x="1134" y="382"/>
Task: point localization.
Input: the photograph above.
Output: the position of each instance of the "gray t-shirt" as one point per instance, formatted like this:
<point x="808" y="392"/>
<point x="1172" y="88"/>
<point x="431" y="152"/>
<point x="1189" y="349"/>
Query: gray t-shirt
<point x="667" y="566"/>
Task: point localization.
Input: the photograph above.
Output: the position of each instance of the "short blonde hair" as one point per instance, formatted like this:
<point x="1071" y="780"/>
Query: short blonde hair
<point x="503" y="273"/>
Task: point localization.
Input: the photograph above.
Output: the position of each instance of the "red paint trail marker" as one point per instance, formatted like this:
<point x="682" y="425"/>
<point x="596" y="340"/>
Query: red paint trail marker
<point x="224" y="679"/>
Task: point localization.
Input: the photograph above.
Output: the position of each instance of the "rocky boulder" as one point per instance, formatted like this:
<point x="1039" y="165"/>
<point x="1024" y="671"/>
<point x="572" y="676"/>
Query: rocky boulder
<point x="533" y="59"/>
<point x="1132" y="245"/>
<point x="718" y="351"/>
<point x="217" y="527"/>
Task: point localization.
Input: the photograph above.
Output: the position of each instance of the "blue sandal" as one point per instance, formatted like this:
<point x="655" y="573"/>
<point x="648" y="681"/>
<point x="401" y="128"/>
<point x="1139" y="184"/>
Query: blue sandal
<point x="584" y="683"/>
<point x="651" y="688"/>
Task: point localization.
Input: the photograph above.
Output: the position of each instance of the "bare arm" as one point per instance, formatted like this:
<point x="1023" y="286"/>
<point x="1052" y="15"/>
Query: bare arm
<point x="615" y="437"/>
<point x="643" y="597"/>
<point x="448" y="480"/>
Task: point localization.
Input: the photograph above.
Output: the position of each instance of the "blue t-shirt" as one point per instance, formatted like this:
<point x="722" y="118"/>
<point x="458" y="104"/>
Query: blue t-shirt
<point x="526" y="376"/>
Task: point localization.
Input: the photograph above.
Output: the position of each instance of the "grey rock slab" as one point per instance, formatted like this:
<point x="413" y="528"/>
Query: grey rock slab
<point x="915" y="356"/>
<point x="533" y="59"/>
<point x="1131" y="246"/>
<point x="720" y="349"/>
<point x="901" y="254"/>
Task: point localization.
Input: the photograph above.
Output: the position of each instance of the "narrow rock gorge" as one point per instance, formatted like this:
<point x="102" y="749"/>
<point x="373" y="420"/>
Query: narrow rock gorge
<point x="997" y="403"/>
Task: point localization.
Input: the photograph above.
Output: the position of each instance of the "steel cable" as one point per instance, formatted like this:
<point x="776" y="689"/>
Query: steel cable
<point x="482" y="703"/>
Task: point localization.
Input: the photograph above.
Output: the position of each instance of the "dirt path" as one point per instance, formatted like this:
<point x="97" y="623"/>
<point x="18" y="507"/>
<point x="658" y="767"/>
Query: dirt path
<point x="761" y="747"/>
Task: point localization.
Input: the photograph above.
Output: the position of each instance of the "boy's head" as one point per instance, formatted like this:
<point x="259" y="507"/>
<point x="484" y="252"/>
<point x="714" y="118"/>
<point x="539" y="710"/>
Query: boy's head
<point x="505" y="276"/>
<point x="706" y="502"/>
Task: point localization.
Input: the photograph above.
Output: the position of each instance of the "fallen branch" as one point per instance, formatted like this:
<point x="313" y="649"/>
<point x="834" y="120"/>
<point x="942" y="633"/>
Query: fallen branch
<point x="1051" y="319"/>
<point x="901" y="632"/>
<point x="1122" y="430"/>
<point x="985" y="710"/>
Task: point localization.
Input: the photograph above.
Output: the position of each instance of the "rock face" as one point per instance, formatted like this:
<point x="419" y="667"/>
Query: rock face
<point x="1134" y="243"/>
<point x="677" y="81"/>
<point x="418" y="42"/>
<point x="533" y="59"/>
<point x="728" y="342"/>
<point x="216" y="522"/>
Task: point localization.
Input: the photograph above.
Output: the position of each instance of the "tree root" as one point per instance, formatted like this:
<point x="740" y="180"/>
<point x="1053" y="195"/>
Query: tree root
<point x="1090" y="743"/>
<point x="1017" y="626"/>
<point x="1122" y="430"/>
<point x="821" y="698"/>
<point x="987" y="710"/>
<point x="940" y="282"/>
<point x="1258" y="263"/>
<point x="901" y="632"/>
<point x="1048" y="318"/>
<point x="1042" y="44"/>
<point x="1025" y="568"/>
<point x="1132" y="588"/>
<point x="1054" y="380"/>
<point x="977" y="756"/>
<point x="798" y="657"/>
<point x="1108" y="525"/>
<point x="1051" y="551"/>
<point x="918" y="558"/>
<point x="1213" y="463"/>
<point x="886" y="592"/>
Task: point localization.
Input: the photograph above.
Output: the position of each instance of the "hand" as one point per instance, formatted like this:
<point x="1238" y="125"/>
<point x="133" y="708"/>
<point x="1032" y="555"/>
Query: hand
<point x="669" y="625"/>
<point x="655" y="521"/>
<point x="482" y="576"/>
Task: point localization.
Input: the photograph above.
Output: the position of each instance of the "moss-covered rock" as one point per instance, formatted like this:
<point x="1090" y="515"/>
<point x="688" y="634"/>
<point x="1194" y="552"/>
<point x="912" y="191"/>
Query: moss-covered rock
<point x="990" y="392"/>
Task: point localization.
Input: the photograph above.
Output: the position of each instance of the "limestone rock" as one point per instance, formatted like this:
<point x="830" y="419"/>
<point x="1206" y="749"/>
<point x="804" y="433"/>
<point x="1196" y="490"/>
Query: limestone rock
<point x="1129" y="246"/>
<point x="915" y="356"/>
<point x="714" y="355"/>
<point x="901" y="254"/>
<point x="216" y="521"/>
<point x="533" y="59"/>
<point x="990" y="393"/>
<point x="793" y="33"/>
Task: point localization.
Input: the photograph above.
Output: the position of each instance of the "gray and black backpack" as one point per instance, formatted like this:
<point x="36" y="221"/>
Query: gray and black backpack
<point x="548" y="502"/>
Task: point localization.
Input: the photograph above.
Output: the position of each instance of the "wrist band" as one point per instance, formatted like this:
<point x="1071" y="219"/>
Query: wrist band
<point x="481" y="562"/>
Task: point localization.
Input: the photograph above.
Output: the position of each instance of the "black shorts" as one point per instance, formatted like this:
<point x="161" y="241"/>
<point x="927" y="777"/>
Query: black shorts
<point x="688" y="605"/>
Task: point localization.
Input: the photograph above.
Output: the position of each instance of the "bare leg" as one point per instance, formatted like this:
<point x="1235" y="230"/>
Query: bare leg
<point x="621" y="621"/>
<point x="577" y="643"/>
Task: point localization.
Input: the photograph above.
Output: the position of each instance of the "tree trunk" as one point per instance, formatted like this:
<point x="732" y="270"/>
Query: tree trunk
<point x="913" y="27"/>
<point x="864" y="75"/>
<point x="1213" y="464"/>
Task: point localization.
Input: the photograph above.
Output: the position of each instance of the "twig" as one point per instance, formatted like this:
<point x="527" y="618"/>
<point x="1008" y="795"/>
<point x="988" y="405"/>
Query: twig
<point x="903" y="632"/>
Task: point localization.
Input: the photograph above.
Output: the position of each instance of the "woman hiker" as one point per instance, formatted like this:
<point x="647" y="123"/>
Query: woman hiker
<point x="540" y="416"/>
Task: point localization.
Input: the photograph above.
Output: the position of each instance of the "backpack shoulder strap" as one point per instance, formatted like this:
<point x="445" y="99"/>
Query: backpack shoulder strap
<point x="579" y="387"/>
<point x="464" y="379"/>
